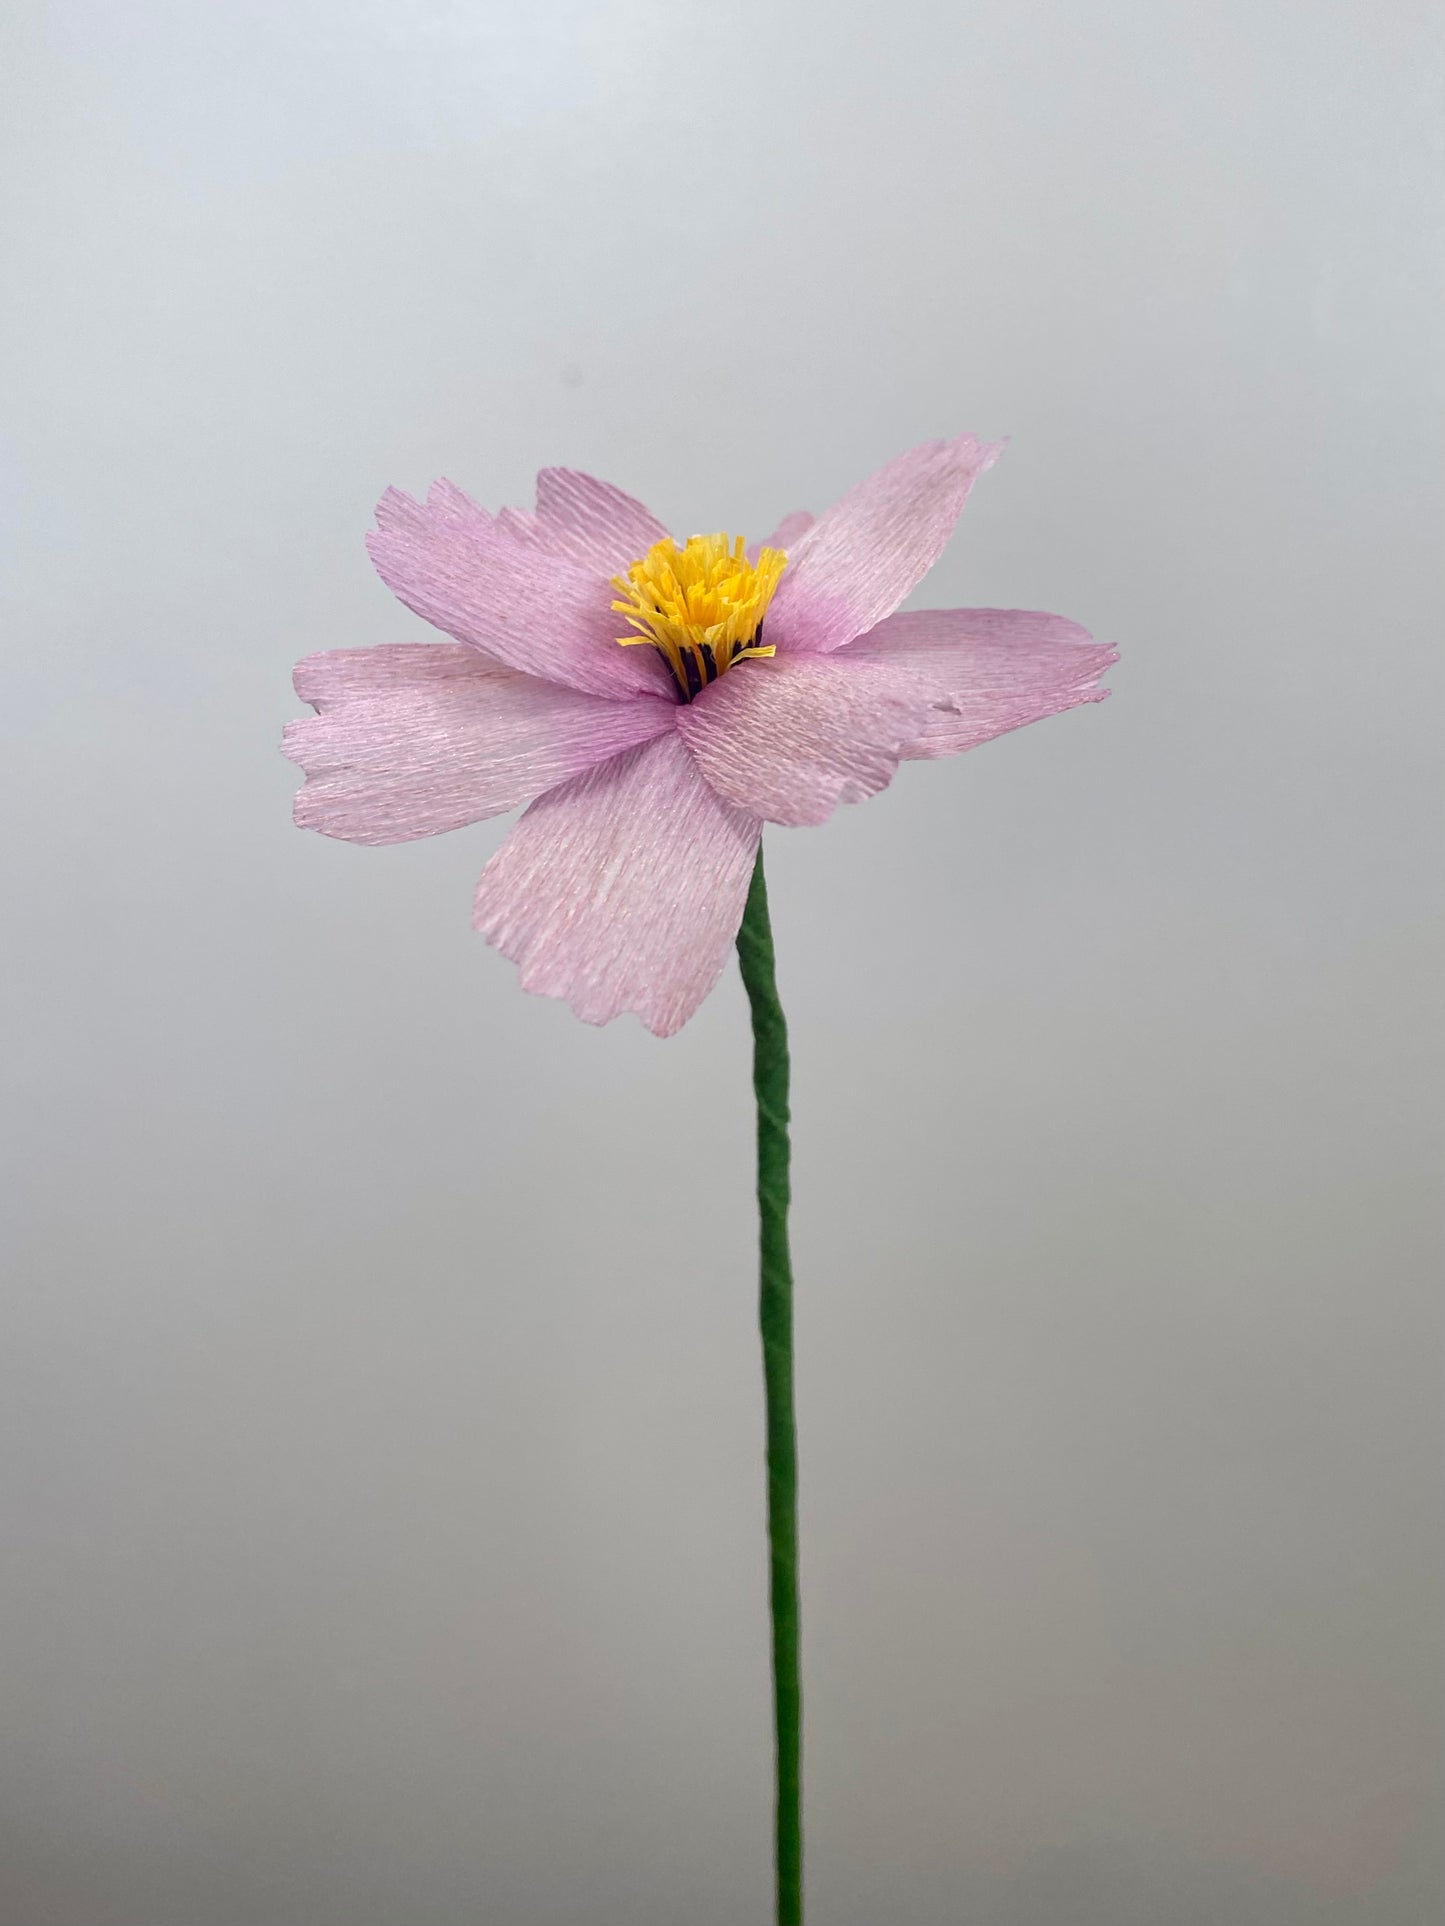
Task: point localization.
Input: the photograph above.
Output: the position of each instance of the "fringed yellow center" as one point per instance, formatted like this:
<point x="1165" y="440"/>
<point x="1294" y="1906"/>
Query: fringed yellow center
<point x="702" y="605"/>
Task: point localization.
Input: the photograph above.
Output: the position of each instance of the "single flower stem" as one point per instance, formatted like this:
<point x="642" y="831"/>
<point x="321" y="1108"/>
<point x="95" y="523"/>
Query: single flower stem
<point x="775" y="1306"/>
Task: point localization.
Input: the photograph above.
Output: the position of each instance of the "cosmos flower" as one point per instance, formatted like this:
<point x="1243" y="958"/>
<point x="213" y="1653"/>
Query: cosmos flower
<point x="655" y="703"/>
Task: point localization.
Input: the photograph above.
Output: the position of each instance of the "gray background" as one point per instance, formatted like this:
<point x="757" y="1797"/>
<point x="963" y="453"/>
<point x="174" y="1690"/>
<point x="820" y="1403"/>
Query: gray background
<point x="381" y="1418"/>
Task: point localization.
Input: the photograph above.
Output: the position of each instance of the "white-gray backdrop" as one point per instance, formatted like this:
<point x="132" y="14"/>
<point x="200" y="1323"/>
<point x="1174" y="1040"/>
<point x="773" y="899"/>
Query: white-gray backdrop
<point x="381" y="1420"/>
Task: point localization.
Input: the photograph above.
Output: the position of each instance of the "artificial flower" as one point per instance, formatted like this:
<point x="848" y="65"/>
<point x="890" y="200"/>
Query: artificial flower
<point x="655" y="703"/>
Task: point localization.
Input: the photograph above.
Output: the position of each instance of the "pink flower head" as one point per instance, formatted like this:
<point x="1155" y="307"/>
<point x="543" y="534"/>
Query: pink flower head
<point x="655" y="704"/>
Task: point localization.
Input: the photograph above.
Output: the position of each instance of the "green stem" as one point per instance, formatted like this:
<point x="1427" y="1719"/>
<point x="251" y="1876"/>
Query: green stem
<point x="775" y="1308"/>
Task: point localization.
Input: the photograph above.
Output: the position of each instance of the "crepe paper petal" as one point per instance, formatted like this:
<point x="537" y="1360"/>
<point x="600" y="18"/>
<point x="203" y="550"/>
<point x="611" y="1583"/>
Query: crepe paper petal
<point x="624" y="889"/>
<point x="785" y="534"/>
<point x="997" y="668"/>
<point x="449" y="561"/>
<point x="397" y="511"/>
<point x="790" y="739"/>
<point x="865" y="554"/>
<point x="416" y="738"/>
<point x="582" y="520"/>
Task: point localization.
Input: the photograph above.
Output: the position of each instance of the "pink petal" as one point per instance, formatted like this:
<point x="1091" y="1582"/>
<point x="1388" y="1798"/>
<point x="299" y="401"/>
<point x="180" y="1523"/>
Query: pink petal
<point x="416" y="738"/>
<point x="534" y="611"/>
<point x="859" y="559"/>
<point x="786" y="533"/>
<point x="624" y="889"/>
<point x="996" y="668"/>
<point x="586" y="521"/>
<point x="791" y="738"/>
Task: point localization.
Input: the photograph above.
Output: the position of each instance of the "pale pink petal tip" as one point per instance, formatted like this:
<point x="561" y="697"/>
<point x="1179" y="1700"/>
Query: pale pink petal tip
<point x="859" y="559"/>
<point x="623" y="890"/>
<point x="997" y="669"/>
<point x="585" y="521"/>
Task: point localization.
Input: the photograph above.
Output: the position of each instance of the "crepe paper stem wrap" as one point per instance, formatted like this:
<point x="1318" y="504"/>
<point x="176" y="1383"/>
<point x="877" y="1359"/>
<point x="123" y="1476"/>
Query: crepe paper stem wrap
<point x="775" y="1311"/>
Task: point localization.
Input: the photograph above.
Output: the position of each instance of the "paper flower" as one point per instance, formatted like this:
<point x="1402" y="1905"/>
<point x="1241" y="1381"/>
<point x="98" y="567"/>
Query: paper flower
<point x="745" y="686"/>
<point x="620" y="684"/>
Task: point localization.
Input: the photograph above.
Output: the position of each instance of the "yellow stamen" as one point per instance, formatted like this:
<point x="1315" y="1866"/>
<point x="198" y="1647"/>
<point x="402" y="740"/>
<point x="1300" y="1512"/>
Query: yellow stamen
<point x="702" y="605"/>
